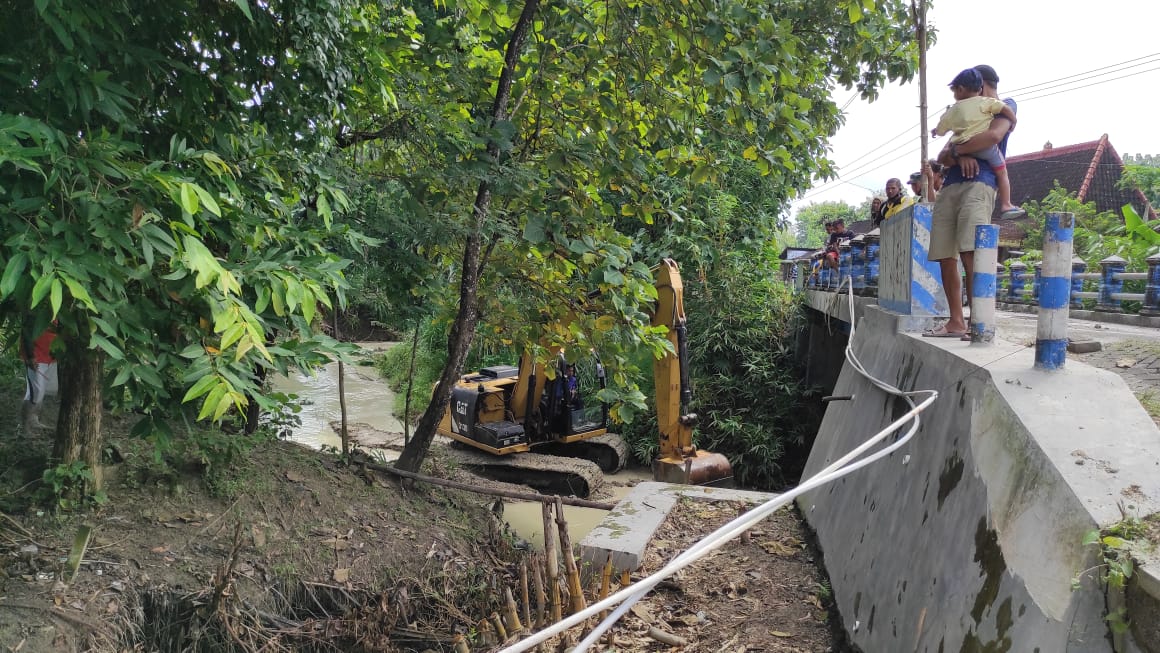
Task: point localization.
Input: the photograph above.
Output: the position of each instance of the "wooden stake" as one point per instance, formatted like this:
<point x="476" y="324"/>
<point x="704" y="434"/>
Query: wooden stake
<point x="575" y="590"/>
<point x="918" y="13"/>
<point x="461" y="644"/>
<point x="524" y="595"/>
<point x="625" y="578"/>
<point x="551" y="563"/>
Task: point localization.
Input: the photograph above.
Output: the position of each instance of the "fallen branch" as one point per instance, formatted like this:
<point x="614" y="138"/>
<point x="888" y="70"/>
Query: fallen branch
<point x="667" y="638"/>
<point x="521" y="496"/>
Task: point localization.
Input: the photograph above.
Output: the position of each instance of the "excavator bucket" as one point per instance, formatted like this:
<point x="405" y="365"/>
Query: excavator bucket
<point x="701" y="468"/>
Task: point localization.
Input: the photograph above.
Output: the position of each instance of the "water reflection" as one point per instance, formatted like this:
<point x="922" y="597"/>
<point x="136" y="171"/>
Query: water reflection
<point x="368" y="401"/>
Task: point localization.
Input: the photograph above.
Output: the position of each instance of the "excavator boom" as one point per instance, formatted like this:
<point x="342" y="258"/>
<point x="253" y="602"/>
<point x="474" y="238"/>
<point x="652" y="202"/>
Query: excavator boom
<point x="678" y="461"/>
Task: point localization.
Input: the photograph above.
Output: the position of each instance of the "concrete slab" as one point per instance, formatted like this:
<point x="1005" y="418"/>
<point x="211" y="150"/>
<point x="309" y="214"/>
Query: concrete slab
<point x="626" y="531"/>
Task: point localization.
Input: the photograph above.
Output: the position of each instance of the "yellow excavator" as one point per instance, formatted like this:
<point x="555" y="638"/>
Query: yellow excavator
<point x="552" y="433"/>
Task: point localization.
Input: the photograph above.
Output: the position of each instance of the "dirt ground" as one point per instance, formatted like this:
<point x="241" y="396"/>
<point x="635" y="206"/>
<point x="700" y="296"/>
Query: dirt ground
<point x="763" y="592"/>
<point x="291" y="550"/>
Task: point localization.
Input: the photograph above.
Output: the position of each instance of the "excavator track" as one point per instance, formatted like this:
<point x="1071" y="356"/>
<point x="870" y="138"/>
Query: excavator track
<point x="609" y="451"/>
<point x="545" y="473"/>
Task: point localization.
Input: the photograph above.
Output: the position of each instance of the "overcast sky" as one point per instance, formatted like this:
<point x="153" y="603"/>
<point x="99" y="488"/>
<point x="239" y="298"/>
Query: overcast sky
<point x="1038" y="43"/>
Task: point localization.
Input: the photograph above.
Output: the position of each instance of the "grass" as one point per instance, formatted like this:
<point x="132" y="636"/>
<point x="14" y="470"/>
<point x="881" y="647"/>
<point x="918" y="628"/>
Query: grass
<point x="1150" y="400"/>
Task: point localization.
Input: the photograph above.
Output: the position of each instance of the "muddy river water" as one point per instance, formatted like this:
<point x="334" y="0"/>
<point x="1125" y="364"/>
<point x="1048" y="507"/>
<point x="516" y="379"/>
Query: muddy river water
<point x="370" y="401"/>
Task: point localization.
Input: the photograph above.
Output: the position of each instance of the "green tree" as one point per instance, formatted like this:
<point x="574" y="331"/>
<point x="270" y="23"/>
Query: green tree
<point x="534" y="130"/>
<point x="164" y="188"/>
<point x="1143" y="174"/>
<point x="809" y="221"/>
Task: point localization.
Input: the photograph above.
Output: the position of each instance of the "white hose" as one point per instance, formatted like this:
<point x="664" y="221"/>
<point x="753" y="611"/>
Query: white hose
<point x="628" y="596"/>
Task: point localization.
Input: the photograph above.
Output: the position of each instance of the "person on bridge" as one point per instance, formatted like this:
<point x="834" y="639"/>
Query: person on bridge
<point x="966" y="200"/>
<point x="972" y="114"/>
<point x="896" y="199"/>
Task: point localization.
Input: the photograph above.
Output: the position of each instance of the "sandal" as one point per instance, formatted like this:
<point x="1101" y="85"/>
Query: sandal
<point x="942" y="332"/>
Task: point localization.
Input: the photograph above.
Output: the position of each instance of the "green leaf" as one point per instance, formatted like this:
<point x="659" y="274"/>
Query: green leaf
<point x="701" y="173"/>
<point x="536" y="230"/>
<point x="202" y="386"/>
<point x="324" y="210"/>
<point x="189" y="198"/>
<point x="244" y="5"/>
<point x="109" y="348"/>
<point x="41" y="288"/>
<point x="56" y="296"/>
<point x="12" y="273"/>
<point x="210" y="203"/>
<point x="78" y="292"/>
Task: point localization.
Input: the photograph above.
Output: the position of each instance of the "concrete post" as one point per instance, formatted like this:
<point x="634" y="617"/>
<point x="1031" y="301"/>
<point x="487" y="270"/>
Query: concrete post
<point x="983" y="284"/>
<point x="1152" y="291"/>
<point x="1109" y="284"/>
<point x="844" y="262"/>
<point x="1054" y="292"/>
<point x="1015" y="288"/>
<point x="858" y="264"/>
<point x="1035" y="285"/>
<point x="872" y="263"/>
<point x="1077" y="267"/>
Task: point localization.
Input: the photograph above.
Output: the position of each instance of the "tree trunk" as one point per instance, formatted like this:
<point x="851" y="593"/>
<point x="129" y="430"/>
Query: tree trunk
<point x="78" y="428"/>
<point x="463" y="328"/>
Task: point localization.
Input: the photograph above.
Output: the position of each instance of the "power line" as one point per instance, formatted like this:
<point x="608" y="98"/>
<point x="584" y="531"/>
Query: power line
<point x="1102" y="81"/>
<point x="1046" y="86"/>
<point x="1115" y="65"/>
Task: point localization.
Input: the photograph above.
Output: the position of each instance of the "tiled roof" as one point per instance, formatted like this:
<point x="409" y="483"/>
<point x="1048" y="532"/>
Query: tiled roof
<point x="1090" y="170"/>
<point x="860" y="227"/>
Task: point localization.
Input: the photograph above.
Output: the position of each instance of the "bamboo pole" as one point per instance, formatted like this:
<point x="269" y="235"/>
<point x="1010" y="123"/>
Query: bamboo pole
<point x="500" y="630"/>
<point x="605" y="583"/>
<point x="512" y="615"/>
<point x="524" y="595"/>
<point x="541" y="597"/>
<point x="575" y="590"/>
<point x="552" y="563"/>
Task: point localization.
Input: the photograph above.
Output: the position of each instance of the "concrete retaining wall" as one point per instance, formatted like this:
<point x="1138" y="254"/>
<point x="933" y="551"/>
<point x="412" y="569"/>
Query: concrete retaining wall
<point x="968" y="539"/>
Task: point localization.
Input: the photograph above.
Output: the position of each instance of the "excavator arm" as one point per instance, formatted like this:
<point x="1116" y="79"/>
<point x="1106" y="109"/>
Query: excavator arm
<point x="678" y="461"/>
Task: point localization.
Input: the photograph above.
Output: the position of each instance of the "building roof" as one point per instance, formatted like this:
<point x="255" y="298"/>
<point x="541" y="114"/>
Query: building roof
<point x="791" y="253"/>
<point x="860" y="227"/>
<point x="1091" y="170"/>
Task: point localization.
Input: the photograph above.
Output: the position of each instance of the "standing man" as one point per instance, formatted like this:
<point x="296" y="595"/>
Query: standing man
<point x="895" y="199"/>
<point x="966" y="200"/>
<point x="39" y="369"/>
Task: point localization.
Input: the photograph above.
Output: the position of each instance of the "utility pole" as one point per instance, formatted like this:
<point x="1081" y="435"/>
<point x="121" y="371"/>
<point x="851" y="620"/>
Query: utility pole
<point x="918" y="13"/>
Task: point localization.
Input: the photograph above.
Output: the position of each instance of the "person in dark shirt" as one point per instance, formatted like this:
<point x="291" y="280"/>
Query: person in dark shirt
<point x="837" y="235"/>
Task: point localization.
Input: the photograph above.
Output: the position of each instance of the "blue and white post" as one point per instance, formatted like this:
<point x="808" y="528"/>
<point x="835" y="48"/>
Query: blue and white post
<point x="983" y="284"/>
<point x="1054" y="292"/>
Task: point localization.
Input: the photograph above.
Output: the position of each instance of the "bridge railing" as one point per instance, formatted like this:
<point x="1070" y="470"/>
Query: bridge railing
<point x="857" y="261"/>
<point x="1019" y="283"/>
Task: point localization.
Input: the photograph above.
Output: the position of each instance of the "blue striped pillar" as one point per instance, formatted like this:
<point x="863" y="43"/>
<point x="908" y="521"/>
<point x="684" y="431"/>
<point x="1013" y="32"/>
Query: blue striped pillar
<point x="1054" y="292"/>
<point x="1078" y="267"/>
<point x="858" y="264"/>
<point x="872" y="262"/>
<point x="824" y="280"/>
<point x="1109" y="284"/>
<point x="1015" y="289"/>
<point x="983" y="284"/>
<point x="1152" y="290"/>
<point x="844" y="262"/>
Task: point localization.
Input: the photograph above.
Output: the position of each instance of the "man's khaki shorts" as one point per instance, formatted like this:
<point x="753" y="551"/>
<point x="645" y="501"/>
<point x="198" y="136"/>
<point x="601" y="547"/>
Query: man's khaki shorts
<point x="957" y="211"/>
